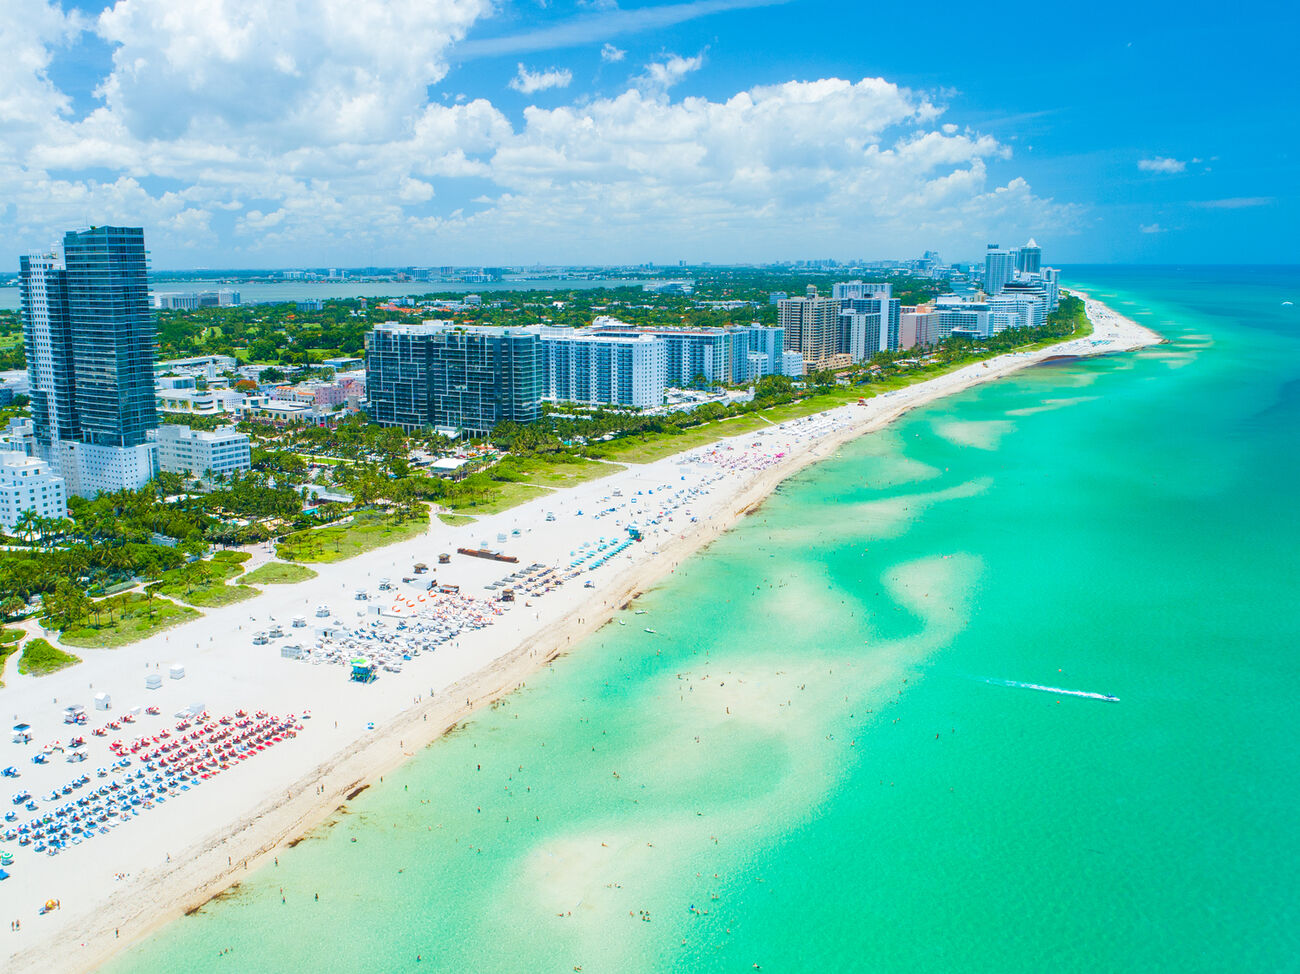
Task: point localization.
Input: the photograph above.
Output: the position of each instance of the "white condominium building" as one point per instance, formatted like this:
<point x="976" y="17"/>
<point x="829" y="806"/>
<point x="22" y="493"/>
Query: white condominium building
<point x="198" y="453"/>
<point x="29" y="484"/>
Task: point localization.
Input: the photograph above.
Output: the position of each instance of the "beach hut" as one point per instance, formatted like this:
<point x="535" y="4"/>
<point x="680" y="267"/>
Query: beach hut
<point x="299" y="622"/>
<point x="103" y="701"/>
<point x="420" y="568"/>
<point x="153" y="682"/>
<point x="322" y="611"/>
<point x="291" y="651"/>
<point x="176" y="671"/>
<point x="444" y="559"/>
<point x="22" y="733"/>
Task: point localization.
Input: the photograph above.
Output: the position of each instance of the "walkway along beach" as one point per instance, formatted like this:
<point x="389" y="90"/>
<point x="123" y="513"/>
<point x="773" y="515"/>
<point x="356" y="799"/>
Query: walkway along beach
<point x="193" y="848"/>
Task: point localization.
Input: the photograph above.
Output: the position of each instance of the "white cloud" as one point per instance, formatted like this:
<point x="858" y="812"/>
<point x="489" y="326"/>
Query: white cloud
<point x="1235" y="203"/>
<point x="610" y="54"/>
<point x="335" y="68"/>
<point x="597" y="27"/>
<point x="1151" y="228"/>
<point x="662" y="75"/>
<point x="1162" y="164"/>
<point x="528" y="82"/>
<point x="320" y="141"/>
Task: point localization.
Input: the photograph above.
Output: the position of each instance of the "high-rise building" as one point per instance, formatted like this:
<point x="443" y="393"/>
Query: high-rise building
<point x="859" y="290"/>
<point x="47" y="344"/>
<point x="693" y="356"/>
<point x="999" y="267"/>
<point x="449" y="376"/>
<point x="1029" y="258"/>
<point x="90" y="343"/>
<point x="113" y="339"/>
<point x="811" y="326"/>
<point x="621" y="370"/>
<point x="869" y="319"/>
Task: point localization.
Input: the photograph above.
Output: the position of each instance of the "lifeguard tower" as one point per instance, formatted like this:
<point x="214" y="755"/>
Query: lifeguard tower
<point x="363" y="671"/>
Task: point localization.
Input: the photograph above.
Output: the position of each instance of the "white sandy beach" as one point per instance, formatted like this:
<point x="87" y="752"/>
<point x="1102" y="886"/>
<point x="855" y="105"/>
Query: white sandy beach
<point x="177" y="855"/>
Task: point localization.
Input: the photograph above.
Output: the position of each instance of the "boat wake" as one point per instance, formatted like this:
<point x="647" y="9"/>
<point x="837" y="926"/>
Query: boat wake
<point x="1016" y="684"/>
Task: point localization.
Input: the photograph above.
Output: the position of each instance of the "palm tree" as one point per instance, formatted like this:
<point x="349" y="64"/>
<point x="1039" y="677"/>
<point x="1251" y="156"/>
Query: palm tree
<point x="25" y="528"/>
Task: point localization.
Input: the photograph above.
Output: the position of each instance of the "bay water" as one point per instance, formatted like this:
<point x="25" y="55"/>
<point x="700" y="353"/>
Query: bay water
<point x="829" y="755"/>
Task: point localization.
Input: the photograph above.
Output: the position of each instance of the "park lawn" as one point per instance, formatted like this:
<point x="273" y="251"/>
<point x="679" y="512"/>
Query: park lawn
<point x="133" y="619"/>
<point x="500" y="496"/>
<point x="455" y="520"/>
<point x="41" y="659"/>
<point x="232" y="557"/>
<point x="366" y="531"/>
<point x="209" y="589"/>
<point x="9" y="639"/>
<point x="656" y="446"/>
<point x="211" y="595"/>
<point x="550" y="473"/>
<point x="278" y="573"/>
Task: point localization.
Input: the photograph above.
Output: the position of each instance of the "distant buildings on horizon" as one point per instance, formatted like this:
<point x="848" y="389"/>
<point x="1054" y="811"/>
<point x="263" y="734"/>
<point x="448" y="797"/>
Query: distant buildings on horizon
<point x="96" y="391"/>
<point x="469" y="378"/>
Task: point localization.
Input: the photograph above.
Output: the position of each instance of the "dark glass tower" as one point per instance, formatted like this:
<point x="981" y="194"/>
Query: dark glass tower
<point x="112" y="334"/>
<point x="463" y="377"/>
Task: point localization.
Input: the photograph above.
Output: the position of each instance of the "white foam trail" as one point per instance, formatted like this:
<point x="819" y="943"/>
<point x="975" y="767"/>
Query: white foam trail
<point x="1069" y="693"/>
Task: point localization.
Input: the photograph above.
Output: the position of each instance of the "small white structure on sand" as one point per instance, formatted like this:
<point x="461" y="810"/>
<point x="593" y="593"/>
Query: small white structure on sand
<point x="103" y="701"/>
<point x="153" y="682"/>
<point x="176" y="671"/>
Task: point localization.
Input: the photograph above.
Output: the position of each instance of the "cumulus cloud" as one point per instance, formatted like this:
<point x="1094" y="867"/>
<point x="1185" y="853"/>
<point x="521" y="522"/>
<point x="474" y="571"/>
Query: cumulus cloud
<point x="1162" y="164"/>
<point x="335" y="68"/>
<point x="529" y="82"/>
<point x="611" y="54"/>
<point x="662" y="75"/>
<point x="234" y="139"/>
<point x="1151" y="228"/>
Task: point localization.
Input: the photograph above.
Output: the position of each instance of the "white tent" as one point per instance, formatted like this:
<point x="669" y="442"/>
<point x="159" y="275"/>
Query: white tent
<point x="152" y="682"/>
<point x="176" y="671"/>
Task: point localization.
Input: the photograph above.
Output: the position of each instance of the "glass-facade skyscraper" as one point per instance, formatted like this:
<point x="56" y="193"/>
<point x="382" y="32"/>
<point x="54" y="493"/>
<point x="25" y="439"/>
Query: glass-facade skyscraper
<point x="464" y="378"/>
<point x="113" y="335"/>
<point x="90" y="344"/>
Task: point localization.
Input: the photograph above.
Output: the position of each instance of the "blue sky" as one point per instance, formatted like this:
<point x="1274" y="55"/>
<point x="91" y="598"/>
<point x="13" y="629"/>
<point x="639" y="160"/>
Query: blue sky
<point x="349" y="132"/>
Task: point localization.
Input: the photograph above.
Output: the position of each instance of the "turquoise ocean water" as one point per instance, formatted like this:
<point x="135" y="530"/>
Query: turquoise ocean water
<point x="817" y="763"/>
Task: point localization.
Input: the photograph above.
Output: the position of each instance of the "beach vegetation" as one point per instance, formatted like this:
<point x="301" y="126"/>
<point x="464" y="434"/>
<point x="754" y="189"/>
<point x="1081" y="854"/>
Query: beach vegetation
<point x="363" y="531"/>
<point x="41" y="658"/>
<point x="203" y="583"/>
<point x="455" y="520"/>
<point x="10" y="640"/>
<point x="277" y="573"/>
<point x="125" y="618"/>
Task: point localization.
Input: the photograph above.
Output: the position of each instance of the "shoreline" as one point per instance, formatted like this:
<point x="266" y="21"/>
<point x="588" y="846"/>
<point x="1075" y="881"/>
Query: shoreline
<point x="274" y="810"/>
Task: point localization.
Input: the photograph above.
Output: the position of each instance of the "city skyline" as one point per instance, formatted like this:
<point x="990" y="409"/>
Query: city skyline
<point x="465" y="132"/>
